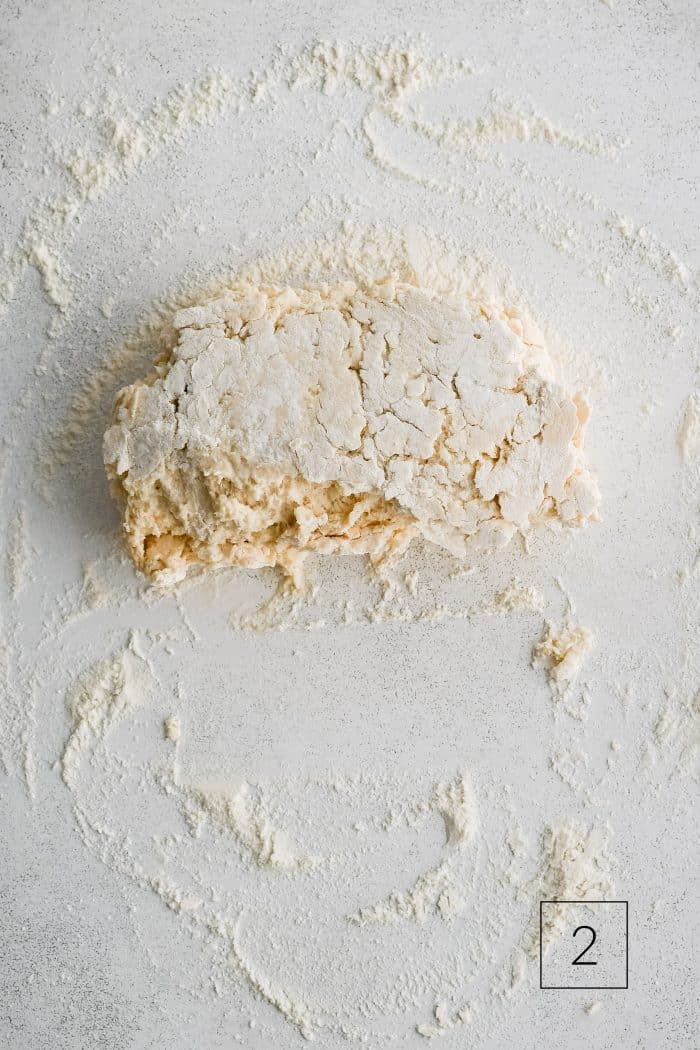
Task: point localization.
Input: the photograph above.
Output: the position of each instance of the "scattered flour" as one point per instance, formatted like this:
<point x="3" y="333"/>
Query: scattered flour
<point x="433" y="892"/>
<point x="18" y="553"/>
<point x="445" y="1021"/>
<point x="689" y="432"/>
<point x="104" y="695"/>
<point x="389" y="78"/>
<point x="240" y="811"/>
<point x="568" y="763"/>
<point x="575" y="866"/>
<point x="113" y="691"/>
<point x="677" y="725"/>
<point x="659" y="257"/>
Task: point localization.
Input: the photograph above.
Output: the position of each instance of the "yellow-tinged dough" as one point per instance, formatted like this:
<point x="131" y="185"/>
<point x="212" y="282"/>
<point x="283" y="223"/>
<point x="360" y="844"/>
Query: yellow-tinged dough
<point x="342" y="420"/>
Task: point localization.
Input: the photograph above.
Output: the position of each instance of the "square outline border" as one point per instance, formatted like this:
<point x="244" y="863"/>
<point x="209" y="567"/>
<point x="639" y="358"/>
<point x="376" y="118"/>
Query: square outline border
<point x="589" y="987"/>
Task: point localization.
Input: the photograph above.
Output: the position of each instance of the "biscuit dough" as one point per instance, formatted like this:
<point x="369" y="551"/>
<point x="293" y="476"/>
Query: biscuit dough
<point x="342" y="419"/>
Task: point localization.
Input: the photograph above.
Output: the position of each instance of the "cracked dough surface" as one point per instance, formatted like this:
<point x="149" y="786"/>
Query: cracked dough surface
<point x="342" y="419"/>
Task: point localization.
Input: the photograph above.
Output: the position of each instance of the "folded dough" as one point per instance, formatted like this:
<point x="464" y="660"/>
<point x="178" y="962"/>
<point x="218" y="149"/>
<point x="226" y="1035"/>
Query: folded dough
<point x="343" y="420"/>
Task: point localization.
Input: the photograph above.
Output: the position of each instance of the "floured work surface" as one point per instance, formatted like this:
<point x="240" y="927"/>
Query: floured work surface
<point x="330" y="813"/>
<point x="339" y="419"/>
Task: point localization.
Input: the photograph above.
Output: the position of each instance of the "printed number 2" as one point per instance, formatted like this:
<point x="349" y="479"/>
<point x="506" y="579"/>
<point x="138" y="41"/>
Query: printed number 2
<point x="579" y="960"/>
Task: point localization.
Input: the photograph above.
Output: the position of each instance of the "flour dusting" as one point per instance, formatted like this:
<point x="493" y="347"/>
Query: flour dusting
<point x="274" y="778"/>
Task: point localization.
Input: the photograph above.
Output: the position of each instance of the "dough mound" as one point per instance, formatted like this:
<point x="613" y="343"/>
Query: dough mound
<point x="342" y="420"/>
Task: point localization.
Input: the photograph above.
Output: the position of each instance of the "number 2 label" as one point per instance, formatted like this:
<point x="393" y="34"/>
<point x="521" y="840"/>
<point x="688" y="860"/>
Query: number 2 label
<point x="592" y="946"/>
<point x="579" y="960"/>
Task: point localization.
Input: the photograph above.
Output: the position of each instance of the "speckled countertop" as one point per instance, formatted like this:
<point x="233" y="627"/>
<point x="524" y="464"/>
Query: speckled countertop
<point x="135" y="914"/>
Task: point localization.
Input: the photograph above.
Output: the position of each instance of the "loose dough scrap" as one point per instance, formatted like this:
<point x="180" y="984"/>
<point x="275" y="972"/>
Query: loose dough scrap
<point x="342" y="419"/>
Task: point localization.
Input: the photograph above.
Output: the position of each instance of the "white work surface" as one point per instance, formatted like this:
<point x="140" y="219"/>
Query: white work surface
<point x="90" y="954"/>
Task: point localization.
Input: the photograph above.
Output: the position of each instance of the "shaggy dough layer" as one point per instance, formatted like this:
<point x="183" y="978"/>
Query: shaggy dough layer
<point x="341" y="419"/>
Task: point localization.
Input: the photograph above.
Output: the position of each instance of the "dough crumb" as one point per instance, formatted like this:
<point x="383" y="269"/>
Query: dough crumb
<point x="172" y="728"/>
<point x="561" y="652"/>
<point x="517" y="597"/>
